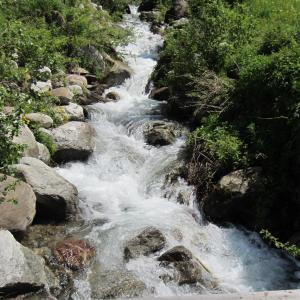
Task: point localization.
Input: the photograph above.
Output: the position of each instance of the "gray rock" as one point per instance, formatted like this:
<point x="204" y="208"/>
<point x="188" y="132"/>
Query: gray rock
<point x="56" y="197"/>
<point x="112" y="96"/>
<point x="74" y="79"/>
<point x="79" y="71"/>
<point x="118" y="74"/>
<point x="76" y="89"/>
<point x="240" y="181"/>
<point x="72" y="112"/>
<point x="44" y="154"/>
<point x="187" y="268"/>
<point x="17" y="204"/>
<point x="21" y="270"/>
<point x="147" y="242"/>
<point x="64" y="94"/>
<point x="74" y="141"/>
<point x="95" y="58"/>
<point x="41" y="87"/>
<point x="40" y="118"/>
<point x="26" y="137"/>
<point x="160" y="133"/>
<point x="114" y="284"/>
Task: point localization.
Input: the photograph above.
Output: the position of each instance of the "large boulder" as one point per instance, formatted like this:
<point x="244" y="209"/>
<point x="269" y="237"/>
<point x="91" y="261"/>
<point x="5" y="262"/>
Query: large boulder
<point x="177" y="11"/>
<point x="117" y="74"/>
<point x="147" y="242"/>
<point x="71" y="112"/>
<point x="74" y="253"/>
<point x="17" y="204"/>
<point x="234" y="198"/>
<point x="44" y="154"/>
<point x="114" y="284"/>
<point x="26" y="138"/>
<point x="74" y="141"/>
<point x="21" y="271"/>
<point x="64" y="94"/>
<point x="56" y="197"/>
<point x="40" y="119"/>
<point x="74" y="79"/>
<point x="187" y="268"/>
<point x="160" y="133"/>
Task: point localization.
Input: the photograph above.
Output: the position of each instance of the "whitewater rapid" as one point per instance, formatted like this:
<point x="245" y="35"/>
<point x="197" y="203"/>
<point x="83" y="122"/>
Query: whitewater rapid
<point x="122" y="190"/>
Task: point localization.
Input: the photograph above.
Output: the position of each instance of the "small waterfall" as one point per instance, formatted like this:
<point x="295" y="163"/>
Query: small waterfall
<point x="122" y="190"/>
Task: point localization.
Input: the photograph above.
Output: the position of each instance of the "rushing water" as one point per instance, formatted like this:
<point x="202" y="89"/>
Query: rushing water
<point x="124" y="184"/>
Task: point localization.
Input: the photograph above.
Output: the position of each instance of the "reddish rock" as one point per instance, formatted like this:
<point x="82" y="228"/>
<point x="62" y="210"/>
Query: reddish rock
<point x="74" y="253"/>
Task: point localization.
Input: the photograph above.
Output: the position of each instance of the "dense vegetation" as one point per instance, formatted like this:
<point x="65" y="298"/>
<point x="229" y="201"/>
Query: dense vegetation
<point x="233" y="72"/>
<point x="45" y="33"/>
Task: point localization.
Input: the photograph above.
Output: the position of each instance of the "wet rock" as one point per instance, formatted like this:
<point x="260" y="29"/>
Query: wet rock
<point x="79" y="71"/>
<point x="160" y="133"/>
<point x="17" y="206"/>
<point x="148" y="16"/>
<point x="234" y="198"/>
<point x="177" y="11"/>
<point x="112" y="96"/>
<point x="26" y="137"/>
<point x="188" y="269"/>
<point x="160" y="94"/>
<point x="21" y="271"/>
<point x="40" y="119"/>
<point x="44" y="154"/>
<point x="56" y="197"/>
<point x="147" y="242"/>
<point x="117" y="74"/>
<point x="74" y="253"/>
<point x="65" y="95"/>
<point x="72" y="112"/>
<point x="74" y="79"/>
<point x="74" y="141"/>
<point x="114" y="284"/>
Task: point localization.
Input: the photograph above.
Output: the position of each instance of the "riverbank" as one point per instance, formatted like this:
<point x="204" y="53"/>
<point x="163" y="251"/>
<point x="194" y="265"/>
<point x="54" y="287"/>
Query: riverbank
<point x="133" y="227"/>
<point x="230" y="71"/>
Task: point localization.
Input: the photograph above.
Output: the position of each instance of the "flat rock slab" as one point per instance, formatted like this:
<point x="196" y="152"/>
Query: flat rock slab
<point x="74" y="141"/>
<point x="56" y="197"/>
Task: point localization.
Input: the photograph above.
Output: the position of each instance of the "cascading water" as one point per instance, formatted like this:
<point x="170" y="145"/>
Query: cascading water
<point x="123" y="183"/>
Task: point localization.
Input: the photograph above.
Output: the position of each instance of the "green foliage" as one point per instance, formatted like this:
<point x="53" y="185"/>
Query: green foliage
<point x="274" y="242"/>
<point x="219" y="141"/>
<point x="45" y="139"/>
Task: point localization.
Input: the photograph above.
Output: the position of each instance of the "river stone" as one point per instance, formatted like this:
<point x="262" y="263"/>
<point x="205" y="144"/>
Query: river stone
<point x="74" y="79"/>
<point x="160" y="133"/>
<point x="72" y="112"/>
<point x="188" y="269"/>
<point x="21" y="271"/>
<point x="112" y="96"/>
<point x="113" y="284"/>
<point x="76" y="89"/>
<point x="74" y="253"/>
<point x="74" y="141"/>
<point x="18" y="207"/>
<point x="41" y="87"/>
<point x="41" y="119"/>
<point x="147" y="242"/>
<point x="64" y="94"/>
<point x="118" y="74"/>
<point x="56" y="197"/>
<point x="44" y="154"/>
<point x="26" y="137"/>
